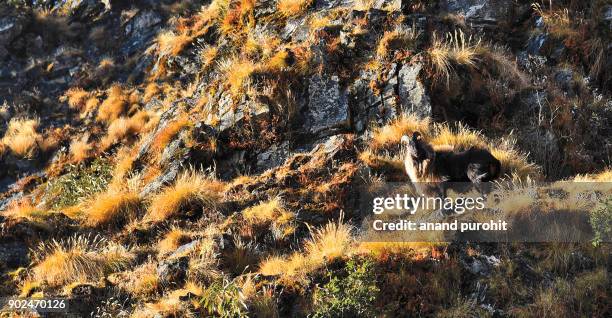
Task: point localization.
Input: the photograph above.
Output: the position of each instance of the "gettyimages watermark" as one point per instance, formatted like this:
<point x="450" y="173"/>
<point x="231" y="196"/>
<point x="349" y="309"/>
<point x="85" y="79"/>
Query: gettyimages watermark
<point x="491" y="212"/>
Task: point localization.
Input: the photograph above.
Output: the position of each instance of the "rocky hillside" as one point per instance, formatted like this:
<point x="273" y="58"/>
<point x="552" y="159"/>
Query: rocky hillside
<point x="202" y="158"/>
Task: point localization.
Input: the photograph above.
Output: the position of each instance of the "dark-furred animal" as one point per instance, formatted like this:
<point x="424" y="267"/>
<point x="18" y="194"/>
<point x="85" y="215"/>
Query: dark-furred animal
<point x="424" y="164"/>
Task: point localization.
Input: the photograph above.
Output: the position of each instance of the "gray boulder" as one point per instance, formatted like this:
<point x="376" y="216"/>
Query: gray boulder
<point x="173" y="271"/>
<point x="273" y="156"/>
<point x="327" y="105"/>
<point x="11" y="26"/>
<point x="479" y="12"/>
<point x="413" y="96"/>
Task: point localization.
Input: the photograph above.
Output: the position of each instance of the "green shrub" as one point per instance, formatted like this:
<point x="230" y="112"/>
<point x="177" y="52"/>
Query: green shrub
<point x="601" y="222"/>
<point x="350" y="296"/>
<point x="78" y="183"/>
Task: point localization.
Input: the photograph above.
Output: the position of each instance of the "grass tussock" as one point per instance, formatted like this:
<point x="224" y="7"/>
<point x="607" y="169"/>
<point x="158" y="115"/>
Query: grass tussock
<point x="25" y="209"/>
<point x="80" y="150"/>
<point x="392" y="133"/>
<point x="174" y="238"/>
<point x="292" y="8"/>
<point x="395" y="40"/>
<point x="22" y="138"/>
<point x="78" y="259"/>
<point x="76" y="98"/>
<point x="266" y="212"/>
<point x="125" y="127"/>
<point x="113" y="207"/>
<point x="115" y="104"/>
<point x="143" y="281"/>
<point x="167" y="134"/>
<point x="330" y="242"/>
<point x="455" y="49"/>
<point x="238" y="73"/>
<point x="191" y="192"/>
<point x="603" y="176"/>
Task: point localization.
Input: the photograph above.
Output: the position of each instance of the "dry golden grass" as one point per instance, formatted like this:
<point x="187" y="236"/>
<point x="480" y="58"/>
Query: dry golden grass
<point x="22" y="138"/>
<point x="124" y="160"/>
<point x="113" y="207"/>
<point x="291" y="8"/>
<point x="330" y="242"/>
<point x="392" y="133"/>
<point x="171" y="43"/>
<point x="143" y="281"/>
<point x="124" y="127"/>
<point x="394" y="40"/>
<point x="150" y="91"/>
<point x="80" y="150"/>
<point x="440" y="58"/>
<point x="191" y="191"/>
<point x="603" y="176"/>
<point x="114" y="105"/>
<point x="172" y="240"/>
<point x="460" y="138"/>
<point x="78" y="259"/>
<point x="465" y="50"/>
<point x="24" y="209"/>
<point x="381" y="162"/>
<point x="238" y="73"/>
<point x="91" y="104"/>
<point x="381" y="249"/>
<point x="76" y="98"/>
<point x="279" y="61"/>
<point x="165" y="136"/>
<point x="266" y="212"/>
<point x="558" y="22"/>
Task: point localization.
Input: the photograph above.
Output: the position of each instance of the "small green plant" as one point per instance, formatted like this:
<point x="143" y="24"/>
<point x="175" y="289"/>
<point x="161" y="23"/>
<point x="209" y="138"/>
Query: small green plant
<point x="78" y="183"/>
<point x="224" y="299"/>
<point x="601" y="222"/>
<point x="350" y="296"/>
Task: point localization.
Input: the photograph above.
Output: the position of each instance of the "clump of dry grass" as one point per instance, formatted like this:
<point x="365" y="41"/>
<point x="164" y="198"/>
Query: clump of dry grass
<point x="112" y="207"/>
<point x="603" y="176"/>
<point x="22" y="138"/>
<point x="80" y="258"/>
<point x="76" y="98"/>
<point x="292" y="8"/>
<point x="460" y="138"/>
<point x="150" y="91"/>
<point x="397" y="39"/>
<point x="557" y="22"/>
<point x="266" y="212"/>
<point x="190" y="192"/>
<point x="238" y="73"/>
<point x="465" y="50"/>
<point x="80" y="150"/>
<point x="457" y="48"/>
<point x="271" y="213"/>
<point x="392" y="133"/>
<point x="174" y="238"/>
<point x="25" y="209"/>
<point x="440" y="57"/>
<point x="143" y="281"/>
<point x="330" y="242"/>
<point x="114" y="105"/>
<point x="165" y="136"/>
<point x="124" y="127"/>
<point x="171" y="43"/>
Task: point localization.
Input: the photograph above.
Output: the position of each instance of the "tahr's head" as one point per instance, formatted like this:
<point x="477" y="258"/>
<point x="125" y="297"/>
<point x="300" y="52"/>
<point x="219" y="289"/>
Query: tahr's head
<point x="417" y="148"/>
